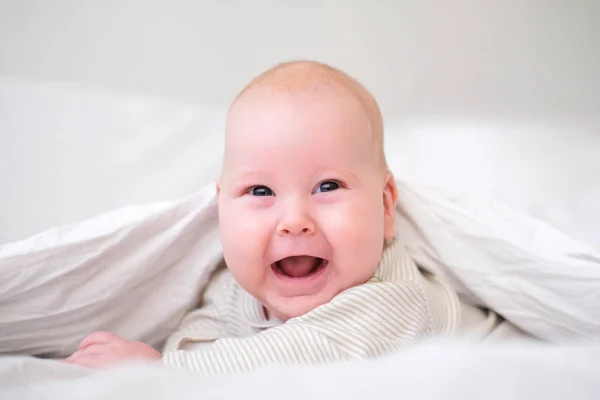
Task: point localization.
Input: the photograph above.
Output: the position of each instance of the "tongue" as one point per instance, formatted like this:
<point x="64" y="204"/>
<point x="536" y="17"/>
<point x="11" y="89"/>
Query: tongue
<point x="298" y="266"/>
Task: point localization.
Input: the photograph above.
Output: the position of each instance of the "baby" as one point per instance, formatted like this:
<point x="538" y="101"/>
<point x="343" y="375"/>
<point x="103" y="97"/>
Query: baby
<point x="306" y="208"/>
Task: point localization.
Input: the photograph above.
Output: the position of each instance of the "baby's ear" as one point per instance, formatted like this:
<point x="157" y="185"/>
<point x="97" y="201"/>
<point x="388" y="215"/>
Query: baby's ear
<point x="390" y="196"/>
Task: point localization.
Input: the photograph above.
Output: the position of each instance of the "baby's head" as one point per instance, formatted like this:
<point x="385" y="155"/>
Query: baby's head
<point x="305" y="200"/>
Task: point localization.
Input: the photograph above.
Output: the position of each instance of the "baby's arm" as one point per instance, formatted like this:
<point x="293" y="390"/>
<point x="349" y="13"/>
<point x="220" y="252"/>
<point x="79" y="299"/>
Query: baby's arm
<point x="105" y="349"/>
<point x="202" y="325"/>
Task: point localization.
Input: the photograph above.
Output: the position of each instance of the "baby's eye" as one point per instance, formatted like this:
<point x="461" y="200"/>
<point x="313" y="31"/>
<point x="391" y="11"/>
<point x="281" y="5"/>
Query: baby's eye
<point x="260" y="191"/>
<point x="328" y="186"/>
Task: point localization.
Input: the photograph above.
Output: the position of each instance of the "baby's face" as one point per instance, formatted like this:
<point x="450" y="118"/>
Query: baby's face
<point x="304" y="204"/>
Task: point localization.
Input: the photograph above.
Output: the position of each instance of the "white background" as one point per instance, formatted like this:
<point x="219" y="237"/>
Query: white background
<point x="104" y="103"/>
<point x="511" y="57"/>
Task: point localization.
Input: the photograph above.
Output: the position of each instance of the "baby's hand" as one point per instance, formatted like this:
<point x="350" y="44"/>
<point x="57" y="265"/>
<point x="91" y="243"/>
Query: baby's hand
<point x="104" y="349"/>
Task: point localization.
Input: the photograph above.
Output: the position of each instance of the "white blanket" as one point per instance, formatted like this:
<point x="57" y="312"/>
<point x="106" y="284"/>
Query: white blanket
<point x="137" y="270"/>
<point x="434" y="371"/>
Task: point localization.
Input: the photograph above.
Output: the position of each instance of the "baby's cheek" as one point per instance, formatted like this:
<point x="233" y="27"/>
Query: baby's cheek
<point x="249" y="224"/>
<point x="352" y="221"/>
<point x="356" y="233"/>
<point x="244" y="235"/>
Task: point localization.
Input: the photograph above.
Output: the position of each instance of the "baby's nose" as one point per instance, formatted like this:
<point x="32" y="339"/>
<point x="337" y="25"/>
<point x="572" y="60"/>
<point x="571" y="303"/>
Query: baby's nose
<point x="297" y="226"/>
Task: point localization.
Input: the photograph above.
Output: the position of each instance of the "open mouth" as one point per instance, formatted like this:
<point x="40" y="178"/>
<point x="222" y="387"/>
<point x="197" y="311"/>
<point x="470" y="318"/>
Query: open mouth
<point x="299" y="266"/>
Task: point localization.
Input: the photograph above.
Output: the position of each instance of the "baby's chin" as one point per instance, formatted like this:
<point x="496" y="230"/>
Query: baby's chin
<point x="291" y="307"/>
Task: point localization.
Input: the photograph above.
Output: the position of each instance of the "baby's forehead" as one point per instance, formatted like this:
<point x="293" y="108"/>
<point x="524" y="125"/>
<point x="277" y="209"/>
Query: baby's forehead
<point x="300" y="93"/>
<point x="321" y="111"/>
<point x="316" y="137"/>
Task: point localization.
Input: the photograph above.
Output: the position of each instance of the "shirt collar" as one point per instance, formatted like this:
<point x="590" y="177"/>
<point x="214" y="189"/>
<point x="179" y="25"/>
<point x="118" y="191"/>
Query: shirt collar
<point x="395" y="264"/>
<point x="254" y="313"/>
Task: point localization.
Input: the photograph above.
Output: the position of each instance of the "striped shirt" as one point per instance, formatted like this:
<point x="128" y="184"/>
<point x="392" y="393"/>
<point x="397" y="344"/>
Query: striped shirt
<point x="397" y="306"/>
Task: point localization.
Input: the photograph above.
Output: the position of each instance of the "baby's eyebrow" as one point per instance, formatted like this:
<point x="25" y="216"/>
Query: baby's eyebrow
<point x="246" y="178"/>
<point x="342" y="173"/>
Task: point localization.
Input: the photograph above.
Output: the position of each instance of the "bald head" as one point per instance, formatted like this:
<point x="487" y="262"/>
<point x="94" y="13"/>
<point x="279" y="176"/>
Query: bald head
<point x="309" y="76"/>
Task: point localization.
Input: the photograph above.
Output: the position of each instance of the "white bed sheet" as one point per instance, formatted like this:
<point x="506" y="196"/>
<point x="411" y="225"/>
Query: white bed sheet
<point x="432" y="371"/>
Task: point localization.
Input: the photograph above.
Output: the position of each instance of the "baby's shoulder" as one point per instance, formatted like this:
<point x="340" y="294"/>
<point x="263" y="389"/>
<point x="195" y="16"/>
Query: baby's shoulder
<point x="221" y="286"/>
<point x="397" y="265"/>
<point x="224" y="292"/>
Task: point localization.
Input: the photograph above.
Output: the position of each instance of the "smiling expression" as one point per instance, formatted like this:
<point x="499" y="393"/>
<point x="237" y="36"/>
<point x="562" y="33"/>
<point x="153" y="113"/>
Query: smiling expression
<point x="304" y="204"/>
